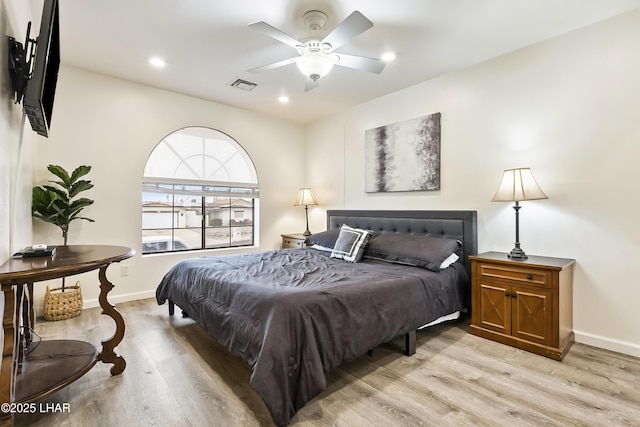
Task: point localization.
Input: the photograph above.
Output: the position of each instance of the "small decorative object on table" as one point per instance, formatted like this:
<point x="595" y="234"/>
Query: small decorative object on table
<point x="36" y="251"/>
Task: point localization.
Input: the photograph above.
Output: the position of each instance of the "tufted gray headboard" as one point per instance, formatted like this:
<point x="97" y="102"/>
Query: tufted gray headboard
<point x="461" y="225"/>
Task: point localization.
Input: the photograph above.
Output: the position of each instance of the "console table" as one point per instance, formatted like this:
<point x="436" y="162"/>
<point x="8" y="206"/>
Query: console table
<point x="33" y="370"/>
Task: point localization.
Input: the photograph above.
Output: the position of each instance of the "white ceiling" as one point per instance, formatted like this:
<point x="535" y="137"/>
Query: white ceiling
<point x="207" y="44"/>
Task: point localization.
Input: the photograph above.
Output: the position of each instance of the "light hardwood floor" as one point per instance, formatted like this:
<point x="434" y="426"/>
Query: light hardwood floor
<point x="176" y="375"/>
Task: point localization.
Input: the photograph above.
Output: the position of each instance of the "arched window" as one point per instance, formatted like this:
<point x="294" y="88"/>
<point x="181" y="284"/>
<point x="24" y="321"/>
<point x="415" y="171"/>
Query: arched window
<point x="199" y="191"/>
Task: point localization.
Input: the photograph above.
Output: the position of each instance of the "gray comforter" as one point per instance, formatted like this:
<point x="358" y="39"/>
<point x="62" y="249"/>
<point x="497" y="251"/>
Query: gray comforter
<point x="295" y="314"/>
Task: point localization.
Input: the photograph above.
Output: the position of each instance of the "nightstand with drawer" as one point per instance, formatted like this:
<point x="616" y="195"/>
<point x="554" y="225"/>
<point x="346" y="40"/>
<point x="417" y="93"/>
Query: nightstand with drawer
<point x="524" y="303"/>
<point x="294" y="240"/>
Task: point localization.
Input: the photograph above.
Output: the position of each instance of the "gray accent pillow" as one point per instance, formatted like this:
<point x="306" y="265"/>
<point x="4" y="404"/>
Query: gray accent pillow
<point x="325" y="239"/>
<point x="412" y="249"/>
<point x="350" y="244"/>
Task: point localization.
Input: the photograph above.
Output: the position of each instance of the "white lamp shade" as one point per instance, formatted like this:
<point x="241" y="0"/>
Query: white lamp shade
<point x="518" y="185"/>
<point x="305" y="198"/>
<point x="315" y="65"/>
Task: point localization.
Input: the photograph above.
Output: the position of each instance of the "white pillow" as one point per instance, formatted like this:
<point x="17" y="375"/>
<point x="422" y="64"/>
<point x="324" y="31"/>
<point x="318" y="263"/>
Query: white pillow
<point x="450" y="260"/>
<point x="322" y="248"/>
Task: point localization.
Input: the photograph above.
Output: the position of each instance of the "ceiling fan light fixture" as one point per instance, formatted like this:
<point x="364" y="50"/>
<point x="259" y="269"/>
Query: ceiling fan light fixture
<point x="316" y="57"/>
<point x="316" y="65"/>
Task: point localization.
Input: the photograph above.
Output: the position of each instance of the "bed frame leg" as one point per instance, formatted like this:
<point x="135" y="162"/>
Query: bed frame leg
<point x="171" y="307"/>
<point x="410" y="343"/>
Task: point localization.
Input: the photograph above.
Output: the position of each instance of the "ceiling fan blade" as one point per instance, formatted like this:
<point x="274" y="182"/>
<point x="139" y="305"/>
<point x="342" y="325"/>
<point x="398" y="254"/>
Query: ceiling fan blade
<point x="275" y="33"/>
<point x="363" y="63"/>
<point x="274" y="65"/>
<point x="310" y="84"/>
<point x="353" y="25"/>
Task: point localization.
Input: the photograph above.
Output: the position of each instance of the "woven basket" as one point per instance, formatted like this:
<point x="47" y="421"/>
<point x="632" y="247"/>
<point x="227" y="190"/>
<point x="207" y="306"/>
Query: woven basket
<point x="60" y="305"/>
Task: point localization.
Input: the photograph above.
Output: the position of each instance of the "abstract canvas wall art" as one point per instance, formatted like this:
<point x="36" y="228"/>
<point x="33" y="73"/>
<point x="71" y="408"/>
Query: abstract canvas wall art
<point x="403" y="156"/>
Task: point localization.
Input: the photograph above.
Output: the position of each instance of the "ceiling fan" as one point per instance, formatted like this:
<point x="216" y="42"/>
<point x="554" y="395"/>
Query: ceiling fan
<point x="316" y="56"/>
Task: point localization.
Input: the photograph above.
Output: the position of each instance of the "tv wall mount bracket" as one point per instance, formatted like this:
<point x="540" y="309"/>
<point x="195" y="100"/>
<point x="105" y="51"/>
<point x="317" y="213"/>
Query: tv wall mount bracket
<point x="20" y="60"/>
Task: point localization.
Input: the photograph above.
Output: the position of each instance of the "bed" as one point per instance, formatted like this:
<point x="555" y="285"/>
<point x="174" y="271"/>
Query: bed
<point x="295" y="314"/>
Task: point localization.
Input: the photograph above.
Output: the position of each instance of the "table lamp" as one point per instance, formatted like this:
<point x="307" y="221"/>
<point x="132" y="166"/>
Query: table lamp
<point x="518" y="185"/>
<point x="305" y="198"/>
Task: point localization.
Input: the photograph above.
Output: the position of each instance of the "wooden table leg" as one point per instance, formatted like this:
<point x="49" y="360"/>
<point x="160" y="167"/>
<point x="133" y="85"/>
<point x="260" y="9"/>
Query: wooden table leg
<point x="18" y="339"/>
<point x="108" y="355"/>
<point x="7" y="351"/>
<point x="29" y="319"/>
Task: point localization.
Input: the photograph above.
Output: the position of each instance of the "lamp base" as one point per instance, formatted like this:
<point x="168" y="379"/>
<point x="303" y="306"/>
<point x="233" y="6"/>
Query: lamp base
<point x="517" y="253"/>
<point x="307" y="233"/>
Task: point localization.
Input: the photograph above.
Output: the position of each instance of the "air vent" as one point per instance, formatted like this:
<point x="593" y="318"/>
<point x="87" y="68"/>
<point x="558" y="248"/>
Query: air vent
<point x="243" y="84"/>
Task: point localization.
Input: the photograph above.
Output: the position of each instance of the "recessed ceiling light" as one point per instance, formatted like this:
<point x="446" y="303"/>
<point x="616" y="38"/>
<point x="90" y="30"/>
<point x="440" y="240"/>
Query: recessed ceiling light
<point x="388" y="56"/>
<point x="283" y="99"/>
<point x="157" y="62"/>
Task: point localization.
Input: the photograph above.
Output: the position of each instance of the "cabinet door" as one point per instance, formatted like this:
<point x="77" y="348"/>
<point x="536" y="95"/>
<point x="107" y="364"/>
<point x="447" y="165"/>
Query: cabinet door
<point x="495" y="306"/>
<point x="532" y="317"/>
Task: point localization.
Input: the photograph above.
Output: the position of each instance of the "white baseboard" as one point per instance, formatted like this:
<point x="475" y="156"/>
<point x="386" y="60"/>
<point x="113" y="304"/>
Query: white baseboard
<point x="115" y="299"/>
<point x="608" y="343"/>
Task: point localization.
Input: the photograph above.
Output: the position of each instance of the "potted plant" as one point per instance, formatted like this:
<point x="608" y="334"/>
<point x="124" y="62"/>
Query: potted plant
<point x="56" y="205"/>
<point x="60" y="205"/>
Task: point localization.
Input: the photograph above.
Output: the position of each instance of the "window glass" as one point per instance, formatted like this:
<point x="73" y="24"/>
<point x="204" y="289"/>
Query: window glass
<point x="199" y="191"/>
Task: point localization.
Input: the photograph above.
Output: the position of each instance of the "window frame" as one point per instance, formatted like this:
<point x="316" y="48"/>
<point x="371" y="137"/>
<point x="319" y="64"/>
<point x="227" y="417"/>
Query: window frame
<point x="203" y="202"/>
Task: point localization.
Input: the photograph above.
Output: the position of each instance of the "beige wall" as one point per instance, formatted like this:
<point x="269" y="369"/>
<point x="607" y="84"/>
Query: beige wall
<point x="569" y="109"/>
<point x="113" y="125"/>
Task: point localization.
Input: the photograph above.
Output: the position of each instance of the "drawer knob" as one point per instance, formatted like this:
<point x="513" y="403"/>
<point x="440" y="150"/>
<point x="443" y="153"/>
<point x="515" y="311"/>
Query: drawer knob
<point x="529" y="276"/>
<point x="507" y="294"/>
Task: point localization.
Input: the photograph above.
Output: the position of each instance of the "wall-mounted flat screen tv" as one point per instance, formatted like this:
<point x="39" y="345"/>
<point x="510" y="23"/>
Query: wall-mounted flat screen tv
<point x="41" y="86"/>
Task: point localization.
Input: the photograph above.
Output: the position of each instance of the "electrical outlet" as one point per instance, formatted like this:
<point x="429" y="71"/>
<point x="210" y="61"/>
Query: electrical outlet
<point x="124" y="270"/>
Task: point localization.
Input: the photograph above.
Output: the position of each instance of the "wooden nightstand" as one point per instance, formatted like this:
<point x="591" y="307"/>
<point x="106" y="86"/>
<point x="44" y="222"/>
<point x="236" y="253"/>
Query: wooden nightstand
<point x="294" y="240"/>
<point x="526" y="303"/>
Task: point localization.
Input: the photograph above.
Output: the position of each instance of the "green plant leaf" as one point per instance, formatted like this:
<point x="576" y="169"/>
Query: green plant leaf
<point x="80" y="203"/>
<point x="78" y="187"/>
<point x="85" y="218"/>
<point x="41" y="201"/>
<point x="60" y="193"/>
<point x="61" y="173"/>
<point x="80" y="171"/>
<point x="77" y="206"/>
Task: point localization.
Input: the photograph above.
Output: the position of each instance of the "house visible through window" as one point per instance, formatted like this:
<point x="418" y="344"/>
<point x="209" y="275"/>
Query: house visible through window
<point x="199" y="191"/>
